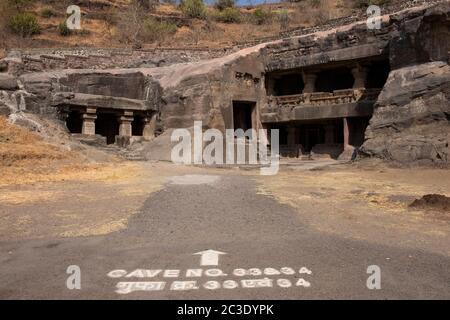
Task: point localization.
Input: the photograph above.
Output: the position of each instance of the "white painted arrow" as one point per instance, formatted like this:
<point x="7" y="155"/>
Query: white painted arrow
<point x="209" y="257"/>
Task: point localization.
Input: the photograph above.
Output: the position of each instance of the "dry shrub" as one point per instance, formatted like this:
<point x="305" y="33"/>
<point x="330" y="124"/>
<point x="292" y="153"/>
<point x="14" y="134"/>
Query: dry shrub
<point x="318" y="12"/>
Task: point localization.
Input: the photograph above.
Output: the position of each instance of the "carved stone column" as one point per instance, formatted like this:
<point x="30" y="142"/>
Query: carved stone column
<point x="310" y="82"/>
<point x="349" y="150"/>
<point x="89" y="117"/>
<point x="125" y="121"/>
<point x="359" y="74"/>
<point x="346" y="134"/>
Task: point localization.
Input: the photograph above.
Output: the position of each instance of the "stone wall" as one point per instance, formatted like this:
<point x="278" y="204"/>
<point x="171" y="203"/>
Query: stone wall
<point x="36" y="60"/>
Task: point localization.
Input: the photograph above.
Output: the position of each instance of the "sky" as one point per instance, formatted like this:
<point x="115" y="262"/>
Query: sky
<point x="247" y="2"/>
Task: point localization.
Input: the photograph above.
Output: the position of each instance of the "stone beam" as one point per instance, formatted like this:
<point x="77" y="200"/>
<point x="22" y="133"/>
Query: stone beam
<point x="99" y="101"/>
<point x="357" y="109"/>
<point x="291" y="61"/>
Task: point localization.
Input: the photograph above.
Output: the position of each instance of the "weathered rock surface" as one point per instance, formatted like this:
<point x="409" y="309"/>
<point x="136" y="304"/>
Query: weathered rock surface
<point x="411" y="122"/>
<point x="8" y="82"/>
<point x="411" y="117"/>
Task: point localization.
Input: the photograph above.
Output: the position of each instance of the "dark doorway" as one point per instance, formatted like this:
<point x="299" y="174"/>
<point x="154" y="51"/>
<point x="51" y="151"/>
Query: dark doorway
<point x="334" y="79"/>
<point x="357" y="128"/>
<point x="310" y="135"/>
<point x="137" y="126"/>
<point x="378" y="74"/>
<point x="74" y="122"/>
<point x="243" y="115"/>
<point x="107" y="126"/>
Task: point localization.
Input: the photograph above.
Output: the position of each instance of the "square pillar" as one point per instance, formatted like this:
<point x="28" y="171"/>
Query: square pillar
<point x="310" y="82"/>
<point x="149" y="126"/>
<point x="349" y="151"/>
<point x="359" y="74"/>
<point x="89" y="117"/>
<point x="346" y="134"/>
<point x="125" y="121"/>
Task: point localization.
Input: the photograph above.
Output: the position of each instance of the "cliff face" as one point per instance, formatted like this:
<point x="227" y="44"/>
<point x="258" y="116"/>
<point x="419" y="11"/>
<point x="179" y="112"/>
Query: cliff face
<point x="411" y="120"/>
<point x="411" y="123"/>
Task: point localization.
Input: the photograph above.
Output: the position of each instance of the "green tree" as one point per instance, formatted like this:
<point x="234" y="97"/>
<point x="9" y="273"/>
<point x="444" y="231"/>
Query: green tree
<point x="193" y="8"/>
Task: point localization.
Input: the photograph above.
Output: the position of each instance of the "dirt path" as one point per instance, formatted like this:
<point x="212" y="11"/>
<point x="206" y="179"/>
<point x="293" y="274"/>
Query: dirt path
<point x="300" y="234"/>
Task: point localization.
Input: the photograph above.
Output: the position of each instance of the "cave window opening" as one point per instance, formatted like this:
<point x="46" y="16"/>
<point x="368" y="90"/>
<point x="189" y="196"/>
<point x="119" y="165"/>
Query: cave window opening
<point x="289" y="85"/>
<point x="335" y="79"/>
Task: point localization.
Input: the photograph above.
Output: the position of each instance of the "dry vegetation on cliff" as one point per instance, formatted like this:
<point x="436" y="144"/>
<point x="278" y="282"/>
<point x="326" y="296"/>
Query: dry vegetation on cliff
<point x="119" y="23"/>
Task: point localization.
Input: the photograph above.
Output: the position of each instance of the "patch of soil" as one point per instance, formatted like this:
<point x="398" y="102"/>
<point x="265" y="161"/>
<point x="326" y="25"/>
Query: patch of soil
<point x="432" y="202"/>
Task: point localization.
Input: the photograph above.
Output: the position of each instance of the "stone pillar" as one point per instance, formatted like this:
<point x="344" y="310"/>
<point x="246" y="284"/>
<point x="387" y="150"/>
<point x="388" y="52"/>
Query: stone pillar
<point x="346" y="134"/>
<point x="310" y="82"/>
<point x="149" y="126"/>
<point x="349" y="151"/>
<point x="270" y="86"/>
<point x="329" y="134"/>
<point x="359" y="74"/>
<point x="89" y="118"/>
<point x="125" y="124"/>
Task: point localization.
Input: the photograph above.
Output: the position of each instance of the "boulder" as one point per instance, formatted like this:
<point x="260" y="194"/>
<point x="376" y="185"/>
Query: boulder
<point x="8" y="82"/>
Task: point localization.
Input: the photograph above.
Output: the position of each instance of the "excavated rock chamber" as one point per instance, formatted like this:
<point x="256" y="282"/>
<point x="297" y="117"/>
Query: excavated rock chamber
<point x="346" y="93"/>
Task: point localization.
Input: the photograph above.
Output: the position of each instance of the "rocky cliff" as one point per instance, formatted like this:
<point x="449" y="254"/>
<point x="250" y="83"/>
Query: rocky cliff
<point x="411" y="120"/>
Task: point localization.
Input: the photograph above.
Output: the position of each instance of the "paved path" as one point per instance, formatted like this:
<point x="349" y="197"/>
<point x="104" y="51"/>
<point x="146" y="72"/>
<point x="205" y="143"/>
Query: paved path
<point x="266" y="246"/>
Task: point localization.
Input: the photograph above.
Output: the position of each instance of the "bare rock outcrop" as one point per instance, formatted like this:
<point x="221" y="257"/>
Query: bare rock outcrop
<point x="411" y="120"/>
<point x="411" y="123"/>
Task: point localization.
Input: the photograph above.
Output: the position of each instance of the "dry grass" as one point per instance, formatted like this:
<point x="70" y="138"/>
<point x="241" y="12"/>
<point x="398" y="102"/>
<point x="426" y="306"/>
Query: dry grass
<point x="364" y="204"/>
<point x="102" y="26"/>
<point x="19" y="144"/>
<point x="26" y="158"/>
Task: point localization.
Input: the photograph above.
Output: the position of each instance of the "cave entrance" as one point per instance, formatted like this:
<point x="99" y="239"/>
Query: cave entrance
<point x="378" y="74"/>
<point x="74" y="122"/>
<point x="243" y="115"/>
<point x="137" y="126"/>
<point x="329" y="132"/>
<point x="357" y="128"/>
<point x="107" y="126"/>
